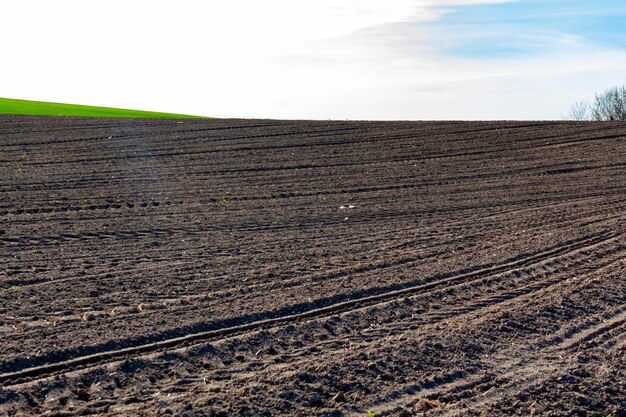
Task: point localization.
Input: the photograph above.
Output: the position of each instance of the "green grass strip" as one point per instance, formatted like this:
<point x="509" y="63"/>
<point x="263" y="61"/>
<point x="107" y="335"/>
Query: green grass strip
<point x="42" y="108"/>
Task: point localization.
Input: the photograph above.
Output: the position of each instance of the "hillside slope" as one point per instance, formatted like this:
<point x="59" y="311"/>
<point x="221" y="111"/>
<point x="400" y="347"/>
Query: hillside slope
<point x="43" y="108"/>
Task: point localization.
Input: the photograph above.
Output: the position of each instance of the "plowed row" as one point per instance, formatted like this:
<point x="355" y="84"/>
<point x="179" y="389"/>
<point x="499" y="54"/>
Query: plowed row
<point x="258" y="267"/>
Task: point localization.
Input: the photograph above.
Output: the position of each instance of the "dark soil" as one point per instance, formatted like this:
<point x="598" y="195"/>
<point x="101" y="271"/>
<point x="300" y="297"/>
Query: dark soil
<point x="298" y="268"/>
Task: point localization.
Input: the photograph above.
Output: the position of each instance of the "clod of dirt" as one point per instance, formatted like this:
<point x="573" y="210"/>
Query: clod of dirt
<point x="124" y="310"/>
<point x="82" y="395"/>
<point x="340" y="397"/>
<point x="89" y="316"/>
<point x="170" y="303"/>
<point x="385" y="377"/>
<point x="57" y="398"/>
<point x="284" y="394"/>
<point x="424" y="404"/>
<point x="150" y="306"/>
<point x="131" y="400"/>
<point x="315" y="400"/>
<point x="245" y="391"/>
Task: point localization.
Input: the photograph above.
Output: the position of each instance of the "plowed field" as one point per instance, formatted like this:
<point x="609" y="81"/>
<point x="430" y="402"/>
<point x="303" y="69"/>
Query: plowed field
<point x="265" y="268"/>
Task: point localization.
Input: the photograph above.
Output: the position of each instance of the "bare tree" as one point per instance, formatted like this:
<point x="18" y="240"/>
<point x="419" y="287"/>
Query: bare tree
<point x="610" y="105"/>
<point x="580" y="111"/>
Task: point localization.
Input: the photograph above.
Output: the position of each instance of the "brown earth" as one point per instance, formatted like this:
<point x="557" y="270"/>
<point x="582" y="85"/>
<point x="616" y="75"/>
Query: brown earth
<point x="265" y="268"/>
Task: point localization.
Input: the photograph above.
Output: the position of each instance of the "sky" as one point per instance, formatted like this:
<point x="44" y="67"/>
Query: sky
<point x="316" y="59"/>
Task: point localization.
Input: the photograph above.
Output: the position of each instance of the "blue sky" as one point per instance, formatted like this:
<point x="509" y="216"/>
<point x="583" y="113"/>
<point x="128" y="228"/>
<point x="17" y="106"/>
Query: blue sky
<point x="534" y="27"/>
<point x="320" y="59"/>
